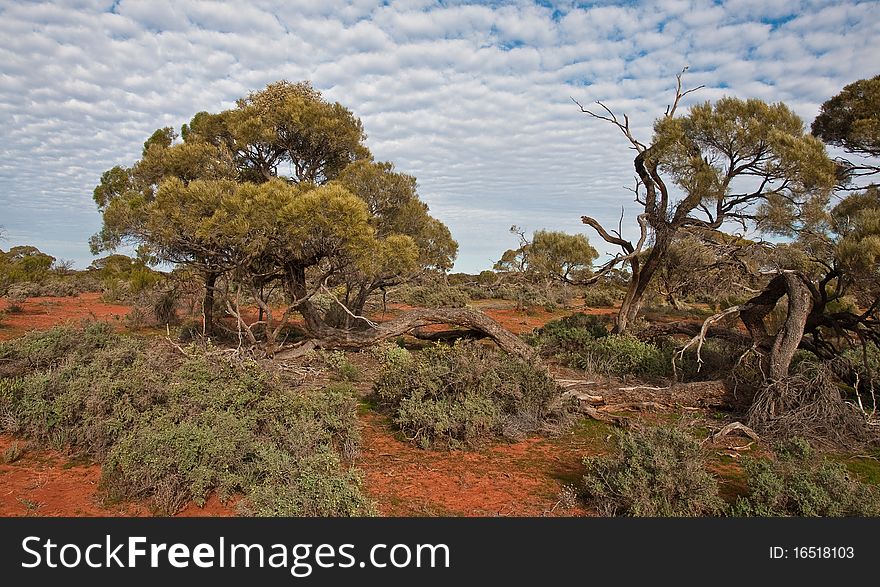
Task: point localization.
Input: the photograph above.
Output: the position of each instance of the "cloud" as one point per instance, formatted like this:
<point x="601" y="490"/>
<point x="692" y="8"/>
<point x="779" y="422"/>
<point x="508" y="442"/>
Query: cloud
<point x="473" y="99"/>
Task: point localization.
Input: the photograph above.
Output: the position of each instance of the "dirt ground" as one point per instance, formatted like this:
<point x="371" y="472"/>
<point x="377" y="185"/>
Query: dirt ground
<point x="45" y="312"/>
<point x="525" y="478"/>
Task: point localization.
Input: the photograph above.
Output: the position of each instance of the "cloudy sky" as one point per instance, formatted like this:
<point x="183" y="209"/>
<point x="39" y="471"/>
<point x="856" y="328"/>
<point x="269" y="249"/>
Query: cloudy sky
<point x="471" y="98"/>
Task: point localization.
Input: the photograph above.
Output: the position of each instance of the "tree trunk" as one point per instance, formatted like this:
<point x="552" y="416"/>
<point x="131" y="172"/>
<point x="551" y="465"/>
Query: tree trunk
<point x="641" y="277"/>
<point x="778" y="349"/>
<point x="208" y="303"/>
<point x="336" y="338"/>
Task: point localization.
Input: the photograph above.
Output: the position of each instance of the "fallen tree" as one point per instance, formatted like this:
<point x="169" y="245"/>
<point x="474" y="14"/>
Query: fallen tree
<point x="327" y="337"/>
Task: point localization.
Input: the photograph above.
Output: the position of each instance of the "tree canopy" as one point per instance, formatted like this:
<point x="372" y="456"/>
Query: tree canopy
<point x="851" y="120"/>
<point x="280" y="188"/>
<point x="734" y="160"/>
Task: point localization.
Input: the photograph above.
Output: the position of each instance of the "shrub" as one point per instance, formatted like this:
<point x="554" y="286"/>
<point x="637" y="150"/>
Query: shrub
<point x="569" y="333"/>
<point x="436" y="296"/>
<point x="464" y="394"/>
<point x="602" y="297"/>
<point x="584" y="342"/>
<point x="622" y="355"/>
<point x="341" y="367"/>
<point x="31" y="289"/>
<point x="658" y="471"/>
<point x="15" y="303"/>
<point x="172" y="429"/>
<point x="800" y="483"/>
<point x="12" y="453"/>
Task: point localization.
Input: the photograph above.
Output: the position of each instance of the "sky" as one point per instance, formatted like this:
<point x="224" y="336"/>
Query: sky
<point x="473" y="99"/>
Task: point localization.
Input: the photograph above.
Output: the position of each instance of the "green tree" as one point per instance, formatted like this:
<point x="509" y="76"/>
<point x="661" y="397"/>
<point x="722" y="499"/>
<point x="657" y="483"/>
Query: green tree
<point x="280" y="190"/>
<point x="732" y="161"/>
<point x="549" y="255"/>
<point x="24" y="263"/>
<point x="851" y="120"/>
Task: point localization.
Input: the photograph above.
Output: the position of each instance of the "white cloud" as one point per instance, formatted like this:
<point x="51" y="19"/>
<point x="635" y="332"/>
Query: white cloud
<point x="472" y="99"/>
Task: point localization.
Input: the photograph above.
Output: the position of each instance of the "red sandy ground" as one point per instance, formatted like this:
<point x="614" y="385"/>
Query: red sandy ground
<point x="45" y="312"/>
<point x="522" y="479"/>
<point x="47" y="483"/>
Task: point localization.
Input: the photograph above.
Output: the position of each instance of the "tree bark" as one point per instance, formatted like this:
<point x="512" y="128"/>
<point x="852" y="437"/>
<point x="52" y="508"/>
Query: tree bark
<point x="208" y="302"/>
<point x="642" y="273"/>
<point x="779" y="348"/>
<point x="336" y="338"/>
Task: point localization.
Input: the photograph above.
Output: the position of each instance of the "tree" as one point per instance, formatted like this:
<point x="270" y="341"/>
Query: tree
<point x="411" y="242"/>
<point x="281" y="191"/>
<point x="285" y="127"/>
<point x="708" y="265"/>
<point x="23" y="263"/>
<point x="550" y="255"/>
<point x="851" y="120"/>
<point x="731" y="161"/>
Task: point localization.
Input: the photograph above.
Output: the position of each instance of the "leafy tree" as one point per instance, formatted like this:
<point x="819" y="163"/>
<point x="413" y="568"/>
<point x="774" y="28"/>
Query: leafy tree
<point x="410" y="241"/>
<point x="550" y="254"/>
<point x="23" y="263"/>
<point x="851" y="120"/>
<point x="279" y="190"/>
<point x="708" y="265"/>
<point x="731" y="161"/>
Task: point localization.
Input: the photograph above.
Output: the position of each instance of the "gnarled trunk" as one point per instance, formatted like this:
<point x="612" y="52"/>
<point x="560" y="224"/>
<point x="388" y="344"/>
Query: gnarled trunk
<point x="208" y="302"/>
<point x="778" y="349"/>
<point x="642" y="273"/>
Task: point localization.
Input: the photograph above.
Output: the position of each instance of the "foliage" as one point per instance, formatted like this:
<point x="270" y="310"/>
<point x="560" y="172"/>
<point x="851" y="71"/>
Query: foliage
<point x="434" y="296"/>
<point x="341" y="367"/>
<point x="219" y="202"/>
<point x="657" y="471"/>
<point x="23" y="264"/>
<point x="798" y="482"/>
<point x="851" y="120"/>
<point x="550" y="254"/>
<point x="172" y="429"/>
<point x="464" y="394"/>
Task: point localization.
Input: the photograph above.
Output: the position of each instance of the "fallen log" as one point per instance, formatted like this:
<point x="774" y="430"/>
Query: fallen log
<point x="328" y="337"/>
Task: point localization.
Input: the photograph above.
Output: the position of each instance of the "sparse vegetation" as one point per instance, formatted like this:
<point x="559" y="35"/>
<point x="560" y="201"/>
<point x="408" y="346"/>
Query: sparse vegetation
<point x="656" y="471"/>
<point x="465" y="394"/>
<point x="173" y="429"/>
<point x="799" y="482"/>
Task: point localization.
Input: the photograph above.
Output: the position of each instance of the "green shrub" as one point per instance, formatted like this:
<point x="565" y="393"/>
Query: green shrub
<point x="12" y="453"/>
<point x="341" y="367"/>
<point x="569" y="333"/>
<point x="584" y="342"/>
<point x="658" y="471"/>
<point x="173" y="429"/>
<point x="465" y="394"/>
<point x="436" y="296"/>
<point x="800" y="483"/>
<point x="15" y="303"/>
<point x="602" y="297"/>
<point x="622" y="355"/>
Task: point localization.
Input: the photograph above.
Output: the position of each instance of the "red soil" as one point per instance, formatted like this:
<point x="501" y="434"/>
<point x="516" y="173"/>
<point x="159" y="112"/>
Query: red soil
<point x="523" y="478"/>
<point x="519" y="479"/>
<point x="47" y="483"/>
<point x="45" y="312"/>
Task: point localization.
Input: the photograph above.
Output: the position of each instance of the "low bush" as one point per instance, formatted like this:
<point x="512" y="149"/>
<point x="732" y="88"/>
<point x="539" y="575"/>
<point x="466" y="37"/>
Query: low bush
<point x="173" y="429"/>
<point x="798" y="482"/>
<point x="340" y="366"/>
<point x="435" y="296"/>
<point x="657" y="471"/>
<point x="463" y="395"/>
<point x="602" y="297"/>
<point x="583" y="341"/>
<point x="15" y="303"/>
